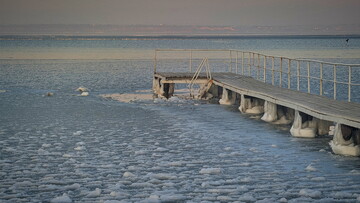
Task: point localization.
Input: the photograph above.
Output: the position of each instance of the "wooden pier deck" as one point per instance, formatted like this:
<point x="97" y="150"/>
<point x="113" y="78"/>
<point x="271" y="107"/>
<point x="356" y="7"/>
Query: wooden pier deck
<point x="321" y="107"/>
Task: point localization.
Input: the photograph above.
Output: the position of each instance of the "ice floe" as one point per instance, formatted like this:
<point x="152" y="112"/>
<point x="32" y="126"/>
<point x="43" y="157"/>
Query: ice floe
<point x="61" y="199"/>
<point x="310" y="168"/>
<point x="210" y="171"/>
<point x="77" y="133"/>
<point x="95" y="193"/>
<point x="310" y="193"/>
<point x="128" y="174"/>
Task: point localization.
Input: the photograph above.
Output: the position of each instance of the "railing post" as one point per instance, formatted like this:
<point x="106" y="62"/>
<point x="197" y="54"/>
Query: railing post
<point x="230" y="57"/>
<point x="280" y="82"/>
<point x="272" y="71"/>
<point x="321" y="79"/>
<point x="242" y="63"/>
<point x="190" y="62"/>
<point x="298" y="75"/>
<point x="249" y="68"/>
<point x="349" y="89"/>
<point x="236" y="60"/>
<point x="264" y="68"/>
<point x="334" y="82"/>
<point x="289" y="74"/>
<point x="253" y="61"/>
<point x="308" y="76"/>
<point x="155" y="61"/>
<point x="258" y="67"/>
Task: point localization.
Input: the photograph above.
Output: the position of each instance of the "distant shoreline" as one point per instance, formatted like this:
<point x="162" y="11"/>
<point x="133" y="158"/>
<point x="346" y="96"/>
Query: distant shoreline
<point x="154" y="37"/>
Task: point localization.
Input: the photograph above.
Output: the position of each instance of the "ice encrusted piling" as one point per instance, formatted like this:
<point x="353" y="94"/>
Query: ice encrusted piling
<point x="344" y="141"/>
<point x="228" y="97"/>
<point x="277" y="114"/>
<point x="270" y="112"/>
<point x="251" y="105"/>
<point x="303" y="129"/>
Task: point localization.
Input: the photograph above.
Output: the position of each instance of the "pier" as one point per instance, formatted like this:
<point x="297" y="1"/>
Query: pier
<point x="316" y="98"/>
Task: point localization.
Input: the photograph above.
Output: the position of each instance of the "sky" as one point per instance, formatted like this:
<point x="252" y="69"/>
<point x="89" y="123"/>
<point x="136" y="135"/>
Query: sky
<point x="181" y="12"/>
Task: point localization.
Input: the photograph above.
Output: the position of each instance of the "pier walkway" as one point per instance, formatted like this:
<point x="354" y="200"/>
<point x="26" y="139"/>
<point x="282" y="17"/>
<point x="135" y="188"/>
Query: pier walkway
<point x="347" y="113"/>
<point x="251" y="84"/>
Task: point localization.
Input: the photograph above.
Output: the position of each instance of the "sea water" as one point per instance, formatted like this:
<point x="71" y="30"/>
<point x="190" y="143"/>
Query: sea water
<point x="72" y="148"/>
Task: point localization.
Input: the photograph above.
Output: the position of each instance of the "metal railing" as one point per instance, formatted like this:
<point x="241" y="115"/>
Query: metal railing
<point x="340" y="81"/>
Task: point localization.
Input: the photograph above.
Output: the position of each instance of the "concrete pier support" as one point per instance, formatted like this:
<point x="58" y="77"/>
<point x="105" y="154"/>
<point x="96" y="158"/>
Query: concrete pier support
<point x="251" y="105"/>
<point x="162" y="89"/>
<point x="277" y="114"/>
<point x="285" y="115"/>
<point x="346" y="140"/>
<point x="169" y="89"/>
<point x="157" y="87"/>
<point x="303" y="127"/>
<point x="270" y="112"/>
<point x="228" y="97"/>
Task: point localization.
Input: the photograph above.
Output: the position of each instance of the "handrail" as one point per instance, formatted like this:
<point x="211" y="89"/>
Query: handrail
<point x="204" y="62"/>
<point x="277" y="70"/>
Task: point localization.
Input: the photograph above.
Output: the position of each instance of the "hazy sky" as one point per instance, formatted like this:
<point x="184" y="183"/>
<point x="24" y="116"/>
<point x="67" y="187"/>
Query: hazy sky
<point x="181" y="12"/>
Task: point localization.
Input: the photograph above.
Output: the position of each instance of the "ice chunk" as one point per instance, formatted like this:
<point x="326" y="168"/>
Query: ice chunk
<point x="82" y="89"/>
<point x="310" y="168"/>
<point x="283" y="200"/>
<point x="73" y="186"/>
<point x="163" y="176"/>
<point x="247" y="197"/>
<point x="176" y="163"/>
<point x="95" y="193"/>
<point x="161" y="149"/>
<point x="342" y="195"/>
<point x="119" y="194"/>
<point x="79" y="148"/>
<point x="246" y="179"/>
<point x="152" y="199"/>
<point x="128" y="175"/>
<point x="43" y="152"/>
<point x="67" y="155"/>
<point x="114" y="201"/>
<point x="142" y="185"/>
<point x="77" y="133"/>
<point x="141" y="152"/>
<point x="318" y="179"/>
<point x="310" y="193"/>
<point x="62" y="199"/>
<point x="84" y="94"/>
<point x="210" y="171"/>
<point x="46" y="145"/>
<point x="224" y="198"/>
<point x="266" y="200"/>
<point x="172" y="198"/>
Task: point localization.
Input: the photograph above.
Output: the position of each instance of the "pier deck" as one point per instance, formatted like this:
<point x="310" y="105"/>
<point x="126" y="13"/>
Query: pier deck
<point x="347" y="113"/>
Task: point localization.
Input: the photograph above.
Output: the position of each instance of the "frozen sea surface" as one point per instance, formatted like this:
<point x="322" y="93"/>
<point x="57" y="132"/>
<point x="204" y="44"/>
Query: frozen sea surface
<point x="66" y="148"/>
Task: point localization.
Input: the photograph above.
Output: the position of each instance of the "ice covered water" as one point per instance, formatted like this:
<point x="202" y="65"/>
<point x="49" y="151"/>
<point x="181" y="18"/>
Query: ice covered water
<point x="67" y="148"/>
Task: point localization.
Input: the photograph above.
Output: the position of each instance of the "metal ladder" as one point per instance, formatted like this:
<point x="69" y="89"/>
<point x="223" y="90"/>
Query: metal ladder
<point x="204" y="62"/>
